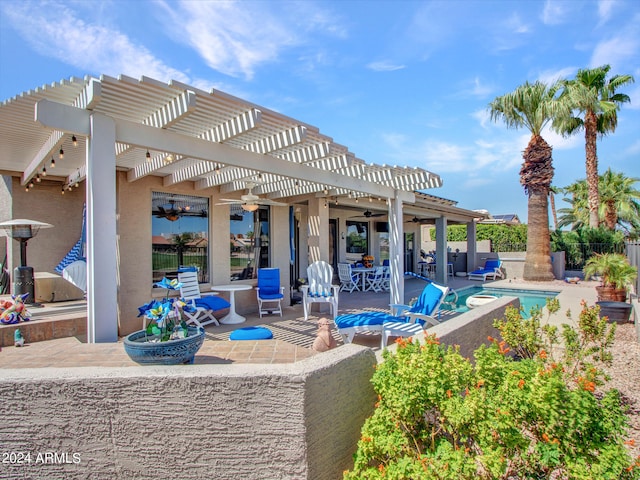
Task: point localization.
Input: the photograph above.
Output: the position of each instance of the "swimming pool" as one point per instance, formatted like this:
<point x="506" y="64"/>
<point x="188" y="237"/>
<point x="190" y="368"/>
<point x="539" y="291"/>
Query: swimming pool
<point x="528" y="298"/>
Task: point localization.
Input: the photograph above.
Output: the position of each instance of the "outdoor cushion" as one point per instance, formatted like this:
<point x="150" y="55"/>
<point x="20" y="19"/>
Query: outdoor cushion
<point x="251" y="333"/>
<point x="212" y="303"/>
<point x="364" y="318"/>
<point x="427" y="300"/>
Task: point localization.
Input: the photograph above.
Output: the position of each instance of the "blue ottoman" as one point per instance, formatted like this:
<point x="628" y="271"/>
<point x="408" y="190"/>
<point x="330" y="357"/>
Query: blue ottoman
<point x="251" y="333"/>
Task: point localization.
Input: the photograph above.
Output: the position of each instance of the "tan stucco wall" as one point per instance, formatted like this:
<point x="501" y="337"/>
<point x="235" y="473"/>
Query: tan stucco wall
<point x="292" y="421"/>
<point x="44" y="203"/>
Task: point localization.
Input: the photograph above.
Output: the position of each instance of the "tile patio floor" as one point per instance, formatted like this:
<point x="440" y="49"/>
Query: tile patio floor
<point x="293" y="337"/>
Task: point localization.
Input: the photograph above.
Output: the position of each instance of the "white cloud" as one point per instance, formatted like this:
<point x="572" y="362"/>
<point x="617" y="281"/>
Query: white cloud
<point x="558" y="142"/>
<point x="516" y="25"/>
<point x="384" y="66"/>
<point x="605" y="7"/>
<point x="615" y="52"/>
<point x="634" y="95"/>
<point x="550" y="76"/>
<point x="235" y="38"/>
<point x="475" y="88"/>
<point x="633" y="149"/>
<point x="483" y="117"/>
<point x="63" y="36"/>
<point x="553" y="13"/>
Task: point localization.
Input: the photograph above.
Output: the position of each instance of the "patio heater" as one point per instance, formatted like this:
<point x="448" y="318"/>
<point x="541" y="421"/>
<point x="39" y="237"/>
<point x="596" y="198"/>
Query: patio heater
<point x="22" y="230"/>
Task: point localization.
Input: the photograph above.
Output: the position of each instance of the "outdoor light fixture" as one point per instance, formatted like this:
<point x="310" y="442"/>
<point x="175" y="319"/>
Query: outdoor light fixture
<point x="148" y="155"/>
<point x="217" y="170"/>
<point x="74" y="140"/>
<point x="44" y="171"/>
<point x="53" y="162"/>
<point x="250" y="207"/>
<point x="62" y="189"/>
<point x="22" y="230"/>
<point x="61" y="154"/>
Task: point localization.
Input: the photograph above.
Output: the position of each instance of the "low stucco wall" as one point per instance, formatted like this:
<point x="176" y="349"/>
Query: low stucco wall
<point x="298" y="420"/>
<point x="290" y="421"/>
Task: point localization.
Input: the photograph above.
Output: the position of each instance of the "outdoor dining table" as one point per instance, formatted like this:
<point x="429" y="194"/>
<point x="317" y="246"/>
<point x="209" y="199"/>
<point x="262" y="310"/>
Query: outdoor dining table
<point x="362" y="272"/>
<point x="232" y="317"/>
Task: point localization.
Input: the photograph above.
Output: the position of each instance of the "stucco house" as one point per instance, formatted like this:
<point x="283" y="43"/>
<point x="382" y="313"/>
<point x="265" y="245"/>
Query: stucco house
<point x="152" y="159"/>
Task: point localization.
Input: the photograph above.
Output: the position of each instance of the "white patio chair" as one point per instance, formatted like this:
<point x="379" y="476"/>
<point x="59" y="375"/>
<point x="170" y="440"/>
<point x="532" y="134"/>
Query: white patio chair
<point x="348" y="280"/>
<point x="204" y="305"/>
<point x="320" y="288"/>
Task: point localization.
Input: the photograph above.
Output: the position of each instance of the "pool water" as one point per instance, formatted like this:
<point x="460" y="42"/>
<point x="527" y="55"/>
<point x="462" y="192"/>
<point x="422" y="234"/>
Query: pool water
<point x="528" y="298"/>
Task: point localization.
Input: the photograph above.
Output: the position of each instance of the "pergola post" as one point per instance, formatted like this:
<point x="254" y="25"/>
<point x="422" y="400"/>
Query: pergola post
<point x="396" y="251"/>
<point x="102" y="257"/>
<point x="441" y="250"/>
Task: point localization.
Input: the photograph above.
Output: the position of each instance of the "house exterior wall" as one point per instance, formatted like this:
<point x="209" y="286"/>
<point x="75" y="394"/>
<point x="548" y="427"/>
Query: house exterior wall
<point x="43" y="203"/>
<point x="134" y="246"/>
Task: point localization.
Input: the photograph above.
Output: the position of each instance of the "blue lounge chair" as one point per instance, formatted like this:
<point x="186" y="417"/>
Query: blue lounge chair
<point x="419" y="314"/>
<point x="269" y="291"/>
<point x="491" y="269"/>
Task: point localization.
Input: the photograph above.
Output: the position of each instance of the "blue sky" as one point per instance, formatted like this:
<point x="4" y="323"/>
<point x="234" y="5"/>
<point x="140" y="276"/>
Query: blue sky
<point x="398" y="82"/>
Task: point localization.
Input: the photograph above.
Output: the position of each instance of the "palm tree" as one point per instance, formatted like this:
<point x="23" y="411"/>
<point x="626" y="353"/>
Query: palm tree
<point x="619" y="202"/>
<point x="533" y="106"/>
<point x="592" y="103"/>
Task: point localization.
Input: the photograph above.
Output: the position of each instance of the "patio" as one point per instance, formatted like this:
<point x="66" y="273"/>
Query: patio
<point x="293" y="336"/>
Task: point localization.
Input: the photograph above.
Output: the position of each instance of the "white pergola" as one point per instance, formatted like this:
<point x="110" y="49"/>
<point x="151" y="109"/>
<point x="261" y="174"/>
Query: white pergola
<point x="180" y="133"/>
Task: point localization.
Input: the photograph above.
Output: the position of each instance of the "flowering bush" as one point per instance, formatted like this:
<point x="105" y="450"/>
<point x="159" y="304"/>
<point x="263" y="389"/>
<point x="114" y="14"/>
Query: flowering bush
<point x="166" y="316"/>
<point x="534" y="415"/>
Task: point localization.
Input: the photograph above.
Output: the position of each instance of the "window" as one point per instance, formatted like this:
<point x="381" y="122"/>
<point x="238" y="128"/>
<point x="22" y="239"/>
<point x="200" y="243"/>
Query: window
<point x="249" y="242"/>
<point x="180" y="234"/>
<point x="357" y="240"/>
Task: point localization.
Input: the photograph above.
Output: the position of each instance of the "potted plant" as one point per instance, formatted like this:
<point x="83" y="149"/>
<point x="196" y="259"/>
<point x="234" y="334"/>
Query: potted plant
<point x="167" y="340"/>
<point x="616" y="276"/>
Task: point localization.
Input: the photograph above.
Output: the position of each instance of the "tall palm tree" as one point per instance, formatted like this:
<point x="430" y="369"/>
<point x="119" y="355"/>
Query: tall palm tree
<point x="593" y="104"/>
<point x="533" y="106"/>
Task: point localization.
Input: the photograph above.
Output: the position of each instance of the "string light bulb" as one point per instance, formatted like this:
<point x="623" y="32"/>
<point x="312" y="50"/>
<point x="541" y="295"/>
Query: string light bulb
<point x="61" y="154"/>
<point x="53" y="162"/>
<point x="62" y="190"/>
<point x="31" y="184"/>
<point x="38" y="179"/>
<point x="44" y="171"/>
<point x="148" y="156"/>
<point x="74" y="140"/>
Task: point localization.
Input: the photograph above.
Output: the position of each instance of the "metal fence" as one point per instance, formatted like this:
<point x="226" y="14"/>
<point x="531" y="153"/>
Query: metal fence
<point x="576" y="254"/>
<point x="167" y="260"/>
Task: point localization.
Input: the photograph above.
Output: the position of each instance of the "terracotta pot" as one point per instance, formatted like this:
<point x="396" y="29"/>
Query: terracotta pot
<point x="611" y="294"/>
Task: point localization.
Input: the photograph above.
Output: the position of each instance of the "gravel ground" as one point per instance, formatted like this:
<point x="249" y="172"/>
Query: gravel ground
<point x="625" y="376"/>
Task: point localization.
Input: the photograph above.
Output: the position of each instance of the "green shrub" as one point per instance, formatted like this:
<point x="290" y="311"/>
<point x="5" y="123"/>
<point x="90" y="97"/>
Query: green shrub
<point x="441" y="416"/>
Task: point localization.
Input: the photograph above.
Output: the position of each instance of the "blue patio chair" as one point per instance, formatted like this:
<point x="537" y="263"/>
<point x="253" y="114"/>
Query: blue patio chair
<point x="269" y="291"/>
<point x="419" y="314"/>
<point x="491" y="269"/>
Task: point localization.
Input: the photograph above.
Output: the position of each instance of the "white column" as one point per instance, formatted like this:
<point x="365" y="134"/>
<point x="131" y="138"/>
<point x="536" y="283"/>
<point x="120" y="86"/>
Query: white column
<point x="396" y="251"/>
<point x="441" y="250"/>
<point x="318" y="230"/>
<point x="102" y="255"/>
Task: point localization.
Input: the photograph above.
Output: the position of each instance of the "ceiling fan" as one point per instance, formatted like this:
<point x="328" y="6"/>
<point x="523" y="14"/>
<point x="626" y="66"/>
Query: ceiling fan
<point x="421" y="221"/>
<point x="250" y="202"/>
<point x="370" y="214"/>
<point x="173" y="213"/>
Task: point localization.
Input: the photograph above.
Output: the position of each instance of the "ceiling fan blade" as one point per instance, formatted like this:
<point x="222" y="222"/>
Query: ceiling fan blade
<point x="273" y="203"/>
